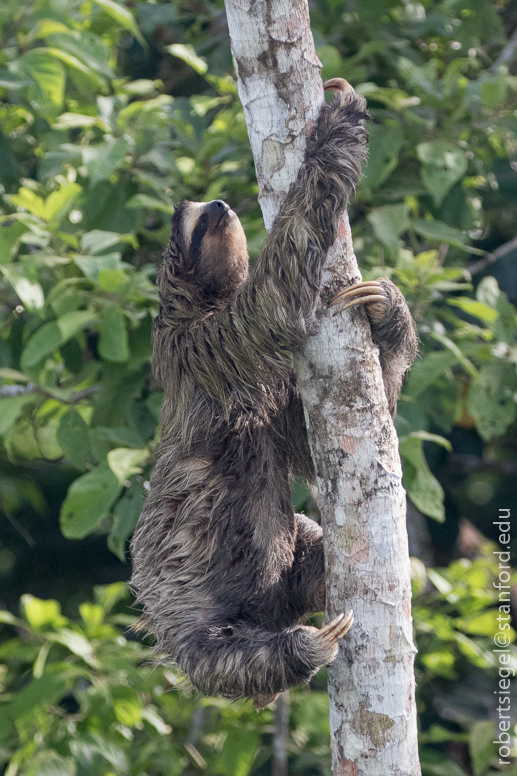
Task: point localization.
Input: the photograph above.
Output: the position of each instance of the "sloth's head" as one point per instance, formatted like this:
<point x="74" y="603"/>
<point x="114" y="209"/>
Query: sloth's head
<point x="212" y="246"/>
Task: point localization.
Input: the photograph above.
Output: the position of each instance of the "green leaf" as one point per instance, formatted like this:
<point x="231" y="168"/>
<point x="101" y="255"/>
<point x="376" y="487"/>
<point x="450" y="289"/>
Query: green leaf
<point x="45" y="27"/>
<point x="49" y="75"/>
<point x="10" y="233"/>
<point x="49" y="763"/>
<point x="87" y="746"/>
<point x="75" y="63"/>
<point x="86" y="54"/>
<point x="59" y="202"/>
<point x="51" y="164"/>
<point x="109" y="595"/>
<point x="444" y="164"/>
<point x="426" y="371"/>
<point x="29" y="201"/>
<point x="474" y="308"/>
<point x="11" y="408"/>
<point x="422" y="487"/>
<point x="30" y="294"/>
<point x="426" y="436"/>
<point x="494" y="93"/>
<point x="123" y="17"/>
<point x="91" y="266"/>
<point x="238" y="752"/>
<point x="123" y="462"/>
<point x="484" y="624"/>
<point x="40" y="613"/>
<point x="154" y="719"/>
<point x="388" y="223"/>
<point x="98" y="242"/>
<point x="471" y="650"/>
<point x="76" y="643"/>
<point x="6" y="618"/>
<point x="73" y="437"/>
<point x="105" y="438"/>
<point x="491" y="398"/>
<point x="111" y="280"/>
<point x="439" y="581"/>
<point x="441" y="663"/>
<point x="89" y="499"/>
<point x="74" y="120"/>
<point x="51" y="336"/>
<point x="188" y="54"/>
<point x="385" y="144"/>
<point x="127" y="706"/>
<point x="125" y="517"/>
<point x="103" y="159"/>
<point x="505" y="326"/>
<point x="113" y="341"/>
<point x="437" y="230"/>
<point x="149" y="203"/>
<point x="42" y="693"/>
<point x="446" y="768"/>
<point x="7" y="373"/>
<point x="467" y="365"/>
<point x="481" y="747"/>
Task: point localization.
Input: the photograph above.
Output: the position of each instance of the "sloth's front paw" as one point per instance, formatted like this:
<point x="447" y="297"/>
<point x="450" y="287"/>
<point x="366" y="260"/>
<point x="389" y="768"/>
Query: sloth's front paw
<point x="376" y="295"/>
<point x="337" y="84"/>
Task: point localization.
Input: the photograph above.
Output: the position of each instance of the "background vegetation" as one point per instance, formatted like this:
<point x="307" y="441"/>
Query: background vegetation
<point x="110" y="114"/>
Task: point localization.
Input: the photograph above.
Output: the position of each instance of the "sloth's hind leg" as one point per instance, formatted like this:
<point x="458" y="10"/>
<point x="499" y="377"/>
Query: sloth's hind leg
<point x="393" y="330"/>
<point x="242" y="661"/>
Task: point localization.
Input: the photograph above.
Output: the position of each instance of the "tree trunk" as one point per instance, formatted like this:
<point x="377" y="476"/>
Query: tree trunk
<point x="281" y="735"/>
<point x="352" y="438"/>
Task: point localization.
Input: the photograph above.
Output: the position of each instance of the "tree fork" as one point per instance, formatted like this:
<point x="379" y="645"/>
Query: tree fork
<point x="362" y="501"/>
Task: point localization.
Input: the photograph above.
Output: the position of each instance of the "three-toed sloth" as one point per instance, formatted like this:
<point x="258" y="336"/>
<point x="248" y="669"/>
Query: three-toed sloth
<point x="223" y="566"/>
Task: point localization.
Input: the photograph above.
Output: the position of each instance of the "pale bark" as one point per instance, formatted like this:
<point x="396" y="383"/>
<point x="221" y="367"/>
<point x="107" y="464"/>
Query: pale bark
<point x="353" y="441"/>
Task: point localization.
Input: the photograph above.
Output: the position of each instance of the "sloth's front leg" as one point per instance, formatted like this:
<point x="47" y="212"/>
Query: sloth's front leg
<point x="393" y="329"/>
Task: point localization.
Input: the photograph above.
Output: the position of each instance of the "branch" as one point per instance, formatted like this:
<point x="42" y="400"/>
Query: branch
<point x="354" y="445"/>
<point x="491" y="258"/>
<point x="506" y="55"/>
<point x="20" y="390"/>
<point x="281" y="735"/>
<point x="463" y="463"/>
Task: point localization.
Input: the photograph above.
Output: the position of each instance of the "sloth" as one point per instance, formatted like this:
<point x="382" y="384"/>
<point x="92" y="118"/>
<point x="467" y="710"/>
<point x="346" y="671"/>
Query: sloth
<point x="224" y="568"/>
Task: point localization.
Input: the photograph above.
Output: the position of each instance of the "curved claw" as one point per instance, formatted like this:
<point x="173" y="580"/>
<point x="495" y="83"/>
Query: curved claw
<point x="362" y="284"/>
<point x="361" y="300"/>
<point x="336" y="629"/>
<point x="367" y="292"/>
<point x="339" y="84"/>
<point x="369" y="287"/>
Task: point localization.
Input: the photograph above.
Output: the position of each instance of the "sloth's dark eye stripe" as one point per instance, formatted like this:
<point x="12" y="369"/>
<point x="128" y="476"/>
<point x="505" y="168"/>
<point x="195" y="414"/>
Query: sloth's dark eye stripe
<point x="197" y="238"/>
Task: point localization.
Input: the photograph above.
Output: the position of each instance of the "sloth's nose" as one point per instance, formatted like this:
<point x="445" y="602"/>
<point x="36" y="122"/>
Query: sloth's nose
<point x="216" y="209"/>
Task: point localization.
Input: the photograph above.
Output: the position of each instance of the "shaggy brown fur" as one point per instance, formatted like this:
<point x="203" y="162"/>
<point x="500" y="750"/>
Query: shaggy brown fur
<point x="223" y="567"/>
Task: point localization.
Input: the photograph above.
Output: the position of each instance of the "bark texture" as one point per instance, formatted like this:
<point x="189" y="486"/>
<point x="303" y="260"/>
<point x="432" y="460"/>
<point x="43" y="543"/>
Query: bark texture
<point x="352" y="438"/>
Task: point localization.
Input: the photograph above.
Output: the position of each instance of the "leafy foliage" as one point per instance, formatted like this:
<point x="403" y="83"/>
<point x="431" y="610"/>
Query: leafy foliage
<point x="82" y="699"/>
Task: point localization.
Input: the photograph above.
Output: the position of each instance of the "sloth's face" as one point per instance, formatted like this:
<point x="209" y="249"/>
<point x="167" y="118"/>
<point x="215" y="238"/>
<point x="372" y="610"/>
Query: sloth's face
<point x="213" y="243"/>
